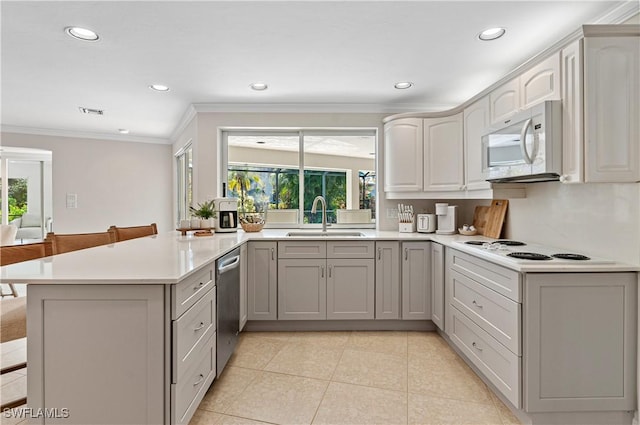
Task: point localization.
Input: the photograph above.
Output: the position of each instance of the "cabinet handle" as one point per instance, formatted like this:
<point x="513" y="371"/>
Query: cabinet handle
<point x="198" y="286"/>
<point x="273" y="254"/>
<point x="379" y="253"/>
<point x="474" y="302"/>
<point x="200" y="326"/>
<point x="476" y="346"/>
<point x="199" y="381"/>
<point x="321" y="271"/>
<point x="330" y="271"/>
<point x="406" y="253"/>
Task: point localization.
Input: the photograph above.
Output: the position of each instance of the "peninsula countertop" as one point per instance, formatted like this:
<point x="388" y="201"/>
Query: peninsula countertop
<point x="169" y="257"/>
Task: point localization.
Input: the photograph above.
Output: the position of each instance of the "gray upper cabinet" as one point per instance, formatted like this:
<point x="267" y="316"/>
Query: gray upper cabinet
<point x="437" y="284"/>
<point x="262" y="280"/>
<point x="476" y="120"/>
<point x="403" y="155"/>
<point x="416" y="280"/>
<point x="387" y="280"/>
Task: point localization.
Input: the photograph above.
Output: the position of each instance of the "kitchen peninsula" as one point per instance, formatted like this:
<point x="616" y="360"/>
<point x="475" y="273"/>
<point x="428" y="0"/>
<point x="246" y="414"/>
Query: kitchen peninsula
<point x="125" y="333"/>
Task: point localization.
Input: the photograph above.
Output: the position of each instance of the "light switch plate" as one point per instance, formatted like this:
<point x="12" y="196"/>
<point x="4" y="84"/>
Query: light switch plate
<point x="72" y="200"/>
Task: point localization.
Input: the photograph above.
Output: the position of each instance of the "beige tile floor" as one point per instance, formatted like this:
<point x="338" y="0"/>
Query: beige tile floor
<point x="13" y="385"/>
<point x="349" y="378"/>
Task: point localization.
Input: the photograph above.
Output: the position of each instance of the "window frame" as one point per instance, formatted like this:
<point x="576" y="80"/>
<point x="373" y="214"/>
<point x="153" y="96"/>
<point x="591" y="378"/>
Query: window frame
<point x="182" y="178"/>
<point x="301" y="132"/>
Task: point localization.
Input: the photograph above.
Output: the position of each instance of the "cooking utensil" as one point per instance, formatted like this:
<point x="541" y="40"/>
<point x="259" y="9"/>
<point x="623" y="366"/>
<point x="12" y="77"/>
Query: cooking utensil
<point x="495" y="219"/>
<point x="480" y="216"/>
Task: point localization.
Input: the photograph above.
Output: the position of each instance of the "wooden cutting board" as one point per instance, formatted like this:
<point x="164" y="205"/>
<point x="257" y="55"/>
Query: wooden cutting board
<point x="480" y="216"/>
<point x="495" y="218"/>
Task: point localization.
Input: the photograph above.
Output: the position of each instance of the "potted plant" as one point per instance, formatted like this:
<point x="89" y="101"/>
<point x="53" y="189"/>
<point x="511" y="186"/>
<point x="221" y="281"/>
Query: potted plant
<point x="250" y="218"/>
<point x="206" y="212"/>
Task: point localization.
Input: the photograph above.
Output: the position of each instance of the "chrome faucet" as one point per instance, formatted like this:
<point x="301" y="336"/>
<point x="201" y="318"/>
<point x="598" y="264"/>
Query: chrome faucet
<point x="324" y="211"/>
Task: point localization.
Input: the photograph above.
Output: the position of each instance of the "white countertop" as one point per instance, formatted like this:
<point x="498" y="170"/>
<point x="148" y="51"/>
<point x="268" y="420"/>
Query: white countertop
<point x="169" y="257"/>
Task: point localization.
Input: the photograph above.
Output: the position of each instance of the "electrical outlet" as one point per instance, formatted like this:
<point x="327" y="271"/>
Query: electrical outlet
<point x="392" y="213"/>
<point x="72" y="200"/>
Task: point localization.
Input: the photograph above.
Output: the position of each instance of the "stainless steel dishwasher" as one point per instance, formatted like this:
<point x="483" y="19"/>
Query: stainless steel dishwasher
<point x="227" y="306"/>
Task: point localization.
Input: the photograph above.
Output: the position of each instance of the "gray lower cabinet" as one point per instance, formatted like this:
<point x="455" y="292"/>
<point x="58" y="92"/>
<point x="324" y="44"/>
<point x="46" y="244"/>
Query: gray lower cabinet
<point x="302" y="289"/>
<point x="243" y="286"/>
<point x="387" y="280"/>
<point x="437" y="284"/>
<point x="416" y="280"/>
<point x="122" y="353"/>
<point x="262" y="280"/>
<point x="580" y="345"/>
<point x="320" y="280"/>
<point x="350" y="288"/>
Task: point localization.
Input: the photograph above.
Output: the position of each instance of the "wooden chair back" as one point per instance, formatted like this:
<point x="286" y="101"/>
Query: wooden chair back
<point x="76" y="241"/>
<point x="11" y="254"/>
<point x="125" y="233"/>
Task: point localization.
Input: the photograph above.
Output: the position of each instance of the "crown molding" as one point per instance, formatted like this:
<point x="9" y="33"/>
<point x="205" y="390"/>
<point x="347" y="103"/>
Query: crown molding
<point x="363" y="108"/>
<point x="620" y="13"/>
<point x="83" y="134"/>
<point x="188" y="115"/>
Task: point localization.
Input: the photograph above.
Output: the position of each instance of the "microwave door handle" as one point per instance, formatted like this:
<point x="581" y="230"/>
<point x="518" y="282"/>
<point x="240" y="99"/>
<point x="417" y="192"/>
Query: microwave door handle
<point x="523" y="141"/>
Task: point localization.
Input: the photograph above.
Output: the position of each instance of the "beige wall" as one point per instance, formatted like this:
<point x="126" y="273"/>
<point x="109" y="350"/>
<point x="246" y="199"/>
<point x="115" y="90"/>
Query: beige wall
<point x="117" y="183"/>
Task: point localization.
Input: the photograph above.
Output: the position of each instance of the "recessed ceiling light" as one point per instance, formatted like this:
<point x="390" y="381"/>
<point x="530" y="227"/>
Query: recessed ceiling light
<point x="491" y="34"/>
<point x="403" y="85"/>
<point x="82" y="33"/>
<point x="123" y="131"/>
<point x="159" y="87"/>
<point x="259" y="86"/>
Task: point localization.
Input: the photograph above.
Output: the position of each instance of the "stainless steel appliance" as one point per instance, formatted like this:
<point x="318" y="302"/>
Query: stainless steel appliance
<point x="227" y="215"/>
<point x="525" y="148"/>
<point x="227" y="307"/>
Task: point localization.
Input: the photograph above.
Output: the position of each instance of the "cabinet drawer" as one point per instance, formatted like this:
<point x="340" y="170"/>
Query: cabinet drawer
<point x="498" y="364"/>
<point x="191" y="331"/>
<point x="501" y="279"/>
<point x="494" y="313"/>
<point x="348" y="249"/>
<point x="302" y="249"/>
<point x="189" y="391"/>
<point x="187" y="292"/>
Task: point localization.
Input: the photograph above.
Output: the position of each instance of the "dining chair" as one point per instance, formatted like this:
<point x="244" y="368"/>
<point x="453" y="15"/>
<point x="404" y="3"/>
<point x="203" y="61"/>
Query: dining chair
<point x="13" y="331"/>
<point x="125" y="233"/>
<point x="61" y="243"/>
<point x="11" y="254"/>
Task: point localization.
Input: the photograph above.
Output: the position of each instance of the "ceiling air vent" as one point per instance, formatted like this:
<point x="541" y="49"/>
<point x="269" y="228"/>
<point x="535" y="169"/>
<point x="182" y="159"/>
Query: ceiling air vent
<point x="91" y="111"/>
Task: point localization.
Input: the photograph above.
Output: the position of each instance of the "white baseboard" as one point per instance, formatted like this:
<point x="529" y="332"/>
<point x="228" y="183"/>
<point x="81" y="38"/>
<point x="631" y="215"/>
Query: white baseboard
<point x="636" y="419"/>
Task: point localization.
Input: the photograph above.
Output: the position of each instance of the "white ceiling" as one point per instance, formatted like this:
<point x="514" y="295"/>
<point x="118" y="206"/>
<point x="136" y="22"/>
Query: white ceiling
<point x="343" y="53"/>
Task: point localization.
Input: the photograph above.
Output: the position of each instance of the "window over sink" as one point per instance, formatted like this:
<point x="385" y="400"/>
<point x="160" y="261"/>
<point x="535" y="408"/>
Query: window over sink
<point x="283" y="171"/>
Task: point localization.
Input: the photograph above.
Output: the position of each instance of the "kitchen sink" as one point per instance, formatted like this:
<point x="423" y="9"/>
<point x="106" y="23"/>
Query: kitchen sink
<point x="334" y="234"/>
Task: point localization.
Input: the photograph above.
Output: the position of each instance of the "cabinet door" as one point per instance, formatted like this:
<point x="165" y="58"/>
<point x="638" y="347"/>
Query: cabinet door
<point x="437" y="284"/>
<point x="350" y="289"/>
<point x="476" y="121"/>
<point x="572" y="133"/>
<point x="243" y="286"/>
<point x="612" y="98"/>
<point x="577" y="322"/>
<point x="504" y="101"/>
<point x="262" y="281"/>
<point x="443" y="154"/>
<point x="302" y="289"/>
<point x="416" y="281"/>
<point x="387" y="280"/>
<point x="403" y="155"/>
<point x="540" y="83"/>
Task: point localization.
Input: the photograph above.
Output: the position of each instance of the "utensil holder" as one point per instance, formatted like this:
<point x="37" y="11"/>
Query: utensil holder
<point x="407" y="227"/>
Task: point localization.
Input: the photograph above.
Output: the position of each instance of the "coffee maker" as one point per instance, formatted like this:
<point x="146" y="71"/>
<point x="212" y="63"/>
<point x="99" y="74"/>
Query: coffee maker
<point x="447" y="216"/>
<point x="227" y="214"/>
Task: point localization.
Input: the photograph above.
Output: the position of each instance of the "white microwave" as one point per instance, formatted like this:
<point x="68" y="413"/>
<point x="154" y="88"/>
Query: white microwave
<point x="526" y="147"/>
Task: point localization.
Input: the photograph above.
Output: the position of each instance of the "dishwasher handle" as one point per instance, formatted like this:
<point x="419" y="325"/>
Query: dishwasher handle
<point x="228" y="264"/>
